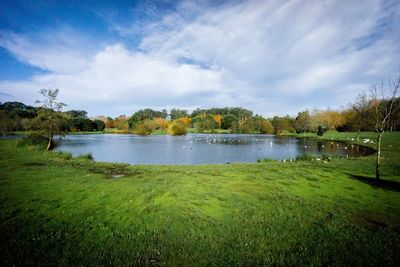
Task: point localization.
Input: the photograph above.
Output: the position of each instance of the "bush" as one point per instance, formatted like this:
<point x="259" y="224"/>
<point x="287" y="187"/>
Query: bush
<point x="146" y="127"/>
<point x="34" y="139"/>
<point x="266" y="160"/>
<point x="64" y="155"/>
<point x="321" y="130"/>
<point x="177" y="128"/>
<point x="84" y="124"/>
<point x="100" y="125"/>
<point x="87" y="156"/>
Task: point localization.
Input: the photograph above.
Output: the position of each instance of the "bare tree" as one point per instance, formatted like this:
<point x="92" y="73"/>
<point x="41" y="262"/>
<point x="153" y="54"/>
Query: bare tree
<point x="383" y="100"/>
<point x="50" y="119"/>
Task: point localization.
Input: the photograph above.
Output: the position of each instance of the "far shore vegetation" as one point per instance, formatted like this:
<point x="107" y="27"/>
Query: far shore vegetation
<point x="360" y="115"/>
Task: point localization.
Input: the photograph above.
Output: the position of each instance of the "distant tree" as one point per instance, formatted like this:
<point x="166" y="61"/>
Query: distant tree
<point x="178" y="113"/>
<point x="77" y="113"/>
<point x="197" y="112"/>
<point x="121" y="123"/>
<point x="266" y="127"/>
<point x="83" y="124"/>
<point x="20" y="110"/>
<point x="50" y="119"/>
<point x="109" y="122"/>
<point x="333" y="119"/>
<point x="204" y="122"/>
<point x="245" y="125"/>
<point x="321" y="130"/>
<point x="177" y="127"/>
<point x="100" y="125"/>
<point x="27" y="124"/>
<point x="329" y="119"/>
<point x="5" y="123"/>
<point x="383" y="99"/>
<point x="185" y="121"/>
<point x="218" y="120"/>
<point x="394" y="120"/>
<point x="145" y="127"/>
<point x="228" y="120"/>
<point x="162" y="123"/>
<point x="361" y="114"/>
<point x="283" y="124"/>
<point x="303" y="122"/>
<point x="146" y="114"/>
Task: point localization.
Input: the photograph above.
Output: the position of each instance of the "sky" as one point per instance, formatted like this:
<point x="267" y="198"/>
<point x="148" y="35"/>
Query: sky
<point x="272" y="57"/>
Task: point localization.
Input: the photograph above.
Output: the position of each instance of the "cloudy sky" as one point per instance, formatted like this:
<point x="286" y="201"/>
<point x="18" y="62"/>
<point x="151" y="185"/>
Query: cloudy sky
<point x="273" y="57"/>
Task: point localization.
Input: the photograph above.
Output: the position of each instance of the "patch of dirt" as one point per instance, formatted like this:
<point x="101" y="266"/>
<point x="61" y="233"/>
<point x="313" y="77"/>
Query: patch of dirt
<point x="374" y="222"/>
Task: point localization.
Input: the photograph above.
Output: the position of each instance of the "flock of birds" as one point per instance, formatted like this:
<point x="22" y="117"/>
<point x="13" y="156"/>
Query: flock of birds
<point x="212" y="139"/>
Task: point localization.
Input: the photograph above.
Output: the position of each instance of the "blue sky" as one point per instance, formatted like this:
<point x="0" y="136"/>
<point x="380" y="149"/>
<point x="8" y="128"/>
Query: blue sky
<point x="273" y="57"/>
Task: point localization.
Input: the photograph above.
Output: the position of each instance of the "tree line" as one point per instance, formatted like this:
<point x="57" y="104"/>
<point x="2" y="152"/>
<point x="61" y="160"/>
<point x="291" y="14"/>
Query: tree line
<point x="357" y="116"/>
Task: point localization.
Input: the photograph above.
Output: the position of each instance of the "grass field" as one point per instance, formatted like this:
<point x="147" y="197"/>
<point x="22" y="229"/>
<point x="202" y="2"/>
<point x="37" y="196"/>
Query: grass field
<point x="58" y="210"/>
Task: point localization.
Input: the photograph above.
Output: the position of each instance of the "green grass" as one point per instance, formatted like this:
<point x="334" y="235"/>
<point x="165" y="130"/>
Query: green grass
<point x="59" y="210"/>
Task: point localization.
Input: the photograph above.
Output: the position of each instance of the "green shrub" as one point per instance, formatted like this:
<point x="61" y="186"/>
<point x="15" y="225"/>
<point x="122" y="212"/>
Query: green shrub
<point x="266" y="160"/>
<point x="64" y="155"/>
<point x="87" y="156"/>
<point x="321" y="130"/>
<point x="145" y="127"/>
<point x="34" y="139"/>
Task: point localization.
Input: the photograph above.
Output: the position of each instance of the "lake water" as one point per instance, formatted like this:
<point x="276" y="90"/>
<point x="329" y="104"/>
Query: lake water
<point x="200" y="148"/>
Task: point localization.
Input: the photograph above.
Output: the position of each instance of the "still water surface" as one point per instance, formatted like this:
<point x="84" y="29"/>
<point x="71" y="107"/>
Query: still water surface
<point x="200" y="148"/>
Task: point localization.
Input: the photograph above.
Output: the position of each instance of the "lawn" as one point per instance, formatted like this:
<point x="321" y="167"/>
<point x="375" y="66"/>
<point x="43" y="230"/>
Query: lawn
<point x="58" y="210"/>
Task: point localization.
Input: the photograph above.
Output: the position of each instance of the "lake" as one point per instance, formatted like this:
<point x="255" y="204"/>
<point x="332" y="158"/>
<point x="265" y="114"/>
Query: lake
<point x="200" y="148"/>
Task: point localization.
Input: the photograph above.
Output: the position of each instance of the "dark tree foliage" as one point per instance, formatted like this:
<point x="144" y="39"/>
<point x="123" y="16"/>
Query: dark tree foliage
<point x="204" y="122"/>
<point x="230" y="115"/>
<point x="227" y="121"/>
<point x="234" y="111"/>
<point x="83" y="124"/>
<point x="20" y="110"/>
<point x="303" y="122"/>
<point x="100" y="125"/>
<point x="178" y="113"/>
<point x="321" y="130"/>
<point x="77" y="113"/>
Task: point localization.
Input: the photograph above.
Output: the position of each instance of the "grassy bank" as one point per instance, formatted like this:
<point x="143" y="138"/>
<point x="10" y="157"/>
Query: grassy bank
<point x="58" y="210"/>
<point x="351" y="137"/>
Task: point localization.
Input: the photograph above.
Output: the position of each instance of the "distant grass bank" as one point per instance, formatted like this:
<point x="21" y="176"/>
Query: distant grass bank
<point x="350" y="137"/>
<point x="59" y="210"/>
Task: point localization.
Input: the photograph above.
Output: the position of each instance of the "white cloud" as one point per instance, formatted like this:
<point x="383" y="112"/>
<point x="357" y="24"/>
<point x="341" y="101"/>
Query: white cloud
<point x="273" y="57"/>
<point x="116" y="76"/>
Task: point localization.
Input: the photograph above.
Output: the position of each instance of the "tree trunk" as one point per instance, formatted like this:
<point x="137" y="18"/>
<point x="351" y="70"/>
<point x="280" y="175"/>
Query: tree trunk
<point x="50" y="138"/>
<point x="358" y="135"/>
<point x="378" y="155"/>
<point x="50" y="142"/>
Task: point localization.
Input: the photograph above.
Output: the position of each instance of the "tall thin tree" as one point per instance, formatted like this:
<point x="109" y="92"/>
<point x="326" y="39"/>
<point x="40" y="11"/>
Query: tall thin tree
<point x="50" y="119"/>
<point x="383" y="100"/>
